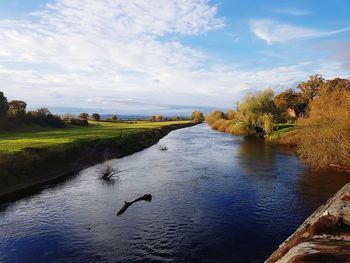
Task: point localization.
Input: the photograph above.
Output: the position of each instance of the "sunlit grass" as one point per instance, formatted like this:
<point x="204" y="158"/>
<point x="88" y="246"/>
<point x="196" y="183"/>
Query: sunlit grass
<point x="39" y="137"/>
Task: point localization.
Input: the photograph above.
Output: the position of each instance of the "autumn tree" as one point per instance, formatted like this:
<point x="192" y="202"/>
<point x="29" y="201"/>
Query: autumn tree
<point x="338" y="84"/>
<point x="289" y="104"/>
<point x="309" y="88"/>
<point x="197" y="116"/>
<point x="325" y="134"/>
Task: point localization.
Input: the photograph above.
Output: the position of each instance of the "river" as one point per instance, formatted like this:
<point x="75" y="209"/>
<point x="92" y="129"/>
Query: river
<point x="216" y="198"/>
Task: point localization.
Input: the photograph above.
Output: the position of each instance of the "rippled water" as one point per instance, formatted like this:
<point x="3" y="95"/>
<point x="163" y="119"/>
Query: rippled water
<point x="216" y="198"/>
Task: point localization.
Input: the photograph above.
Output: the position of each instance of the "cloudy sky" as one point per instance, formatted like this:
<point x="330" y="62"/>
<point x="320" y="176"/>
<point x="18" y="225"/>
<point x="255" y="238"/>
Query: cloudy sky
<point x="168" y="56"/>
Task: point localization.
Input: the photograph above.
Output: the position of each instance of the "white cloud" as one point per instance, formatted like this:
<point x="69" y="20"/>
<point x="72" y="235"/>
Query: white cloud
<point x="275" y="32"/>
<point x="79" y="53"/>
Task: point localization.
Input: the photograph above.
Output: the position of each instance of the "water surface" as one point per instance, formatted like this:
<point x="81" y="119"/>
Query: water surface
<point x="216" y="198"/>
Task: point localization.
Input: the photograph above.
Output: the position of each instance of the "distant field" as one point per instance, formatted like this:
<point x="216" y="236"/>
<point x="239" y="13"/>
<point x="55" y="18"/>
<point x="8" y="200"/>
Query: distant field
<point x="39" y="137"/>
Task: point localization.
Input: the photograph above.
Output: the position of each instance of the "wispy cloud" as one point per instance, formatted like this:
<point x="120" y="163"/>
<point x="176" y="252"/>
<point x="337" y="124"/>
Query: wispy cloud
<point x="291" y="11"/>
<point x="274" y="32"/>
<point x="83" y="52"/>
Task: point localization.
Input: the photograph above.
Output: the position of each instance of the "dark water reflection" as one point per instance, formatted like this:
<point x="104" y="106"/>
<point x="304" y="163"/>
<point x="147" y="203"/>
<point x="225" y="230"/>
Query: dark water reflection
<point x="216" y="198"/>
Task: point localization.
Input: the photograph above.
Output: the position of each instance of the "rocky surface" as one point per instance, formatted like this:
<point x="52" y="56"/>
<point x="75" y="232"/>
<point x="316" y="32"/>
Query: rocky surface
<point x="323" y="237"/>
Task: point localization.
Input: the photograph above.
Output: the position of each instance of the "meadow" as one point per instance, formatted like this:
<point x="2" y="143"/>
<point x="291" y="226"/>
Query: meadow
<point x="33" y="155"/>
<point x="46" y="137"/>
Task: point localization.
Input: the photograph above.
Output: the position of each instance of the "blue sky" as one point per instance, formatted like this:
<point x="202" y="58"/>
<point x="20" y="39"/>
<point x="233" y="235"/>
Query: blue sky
<point x="169" y="56"/>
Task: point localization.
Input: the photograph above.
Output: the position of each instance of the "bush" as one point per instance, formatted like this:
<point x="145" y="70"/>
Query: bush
<point x="214" y="116"/>
<point x="240" y="129"/>
<point x="220" y="125"/>
<point x="230" y="115"/>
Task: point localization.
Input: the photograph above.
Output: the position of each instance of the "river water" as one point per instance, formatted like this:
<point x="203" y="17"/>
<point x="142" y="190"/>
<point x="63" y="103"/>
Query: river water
<point x="216" y="198"/>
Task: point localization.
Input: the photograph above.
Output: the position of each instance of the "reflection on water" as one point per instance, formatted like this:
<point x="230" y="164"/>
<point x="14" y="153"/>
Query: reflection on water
<point x="216" y="198"/>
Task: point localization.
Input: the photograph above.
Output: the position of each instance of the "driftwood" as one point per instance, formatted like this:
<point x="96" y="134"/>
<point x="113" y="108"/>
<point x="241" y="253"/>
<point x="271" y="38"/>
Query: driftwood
<point x="146" y="197"/>
<point x="162" y="148"/>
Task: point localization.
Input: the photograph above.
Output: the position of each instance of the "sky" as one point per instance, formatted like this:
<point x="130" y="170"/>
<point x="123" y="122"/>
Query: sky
<point x="165" y="56"/>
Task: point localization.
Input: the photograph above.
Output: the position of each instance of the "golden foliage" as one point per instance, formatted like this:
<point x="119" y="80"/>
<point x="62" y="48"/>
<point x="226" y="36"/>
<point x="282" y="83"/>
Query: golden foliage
<point x="325" y="134"/>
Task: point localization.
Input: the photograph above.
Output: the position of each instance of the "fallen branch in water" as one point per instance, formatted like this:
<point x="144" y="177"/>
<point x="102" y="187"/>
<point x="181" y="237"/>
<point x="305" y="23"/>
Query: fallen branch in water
<point x="146" y="197"/>
<point x="162" y="148"/>
<point x="107" y="172"/>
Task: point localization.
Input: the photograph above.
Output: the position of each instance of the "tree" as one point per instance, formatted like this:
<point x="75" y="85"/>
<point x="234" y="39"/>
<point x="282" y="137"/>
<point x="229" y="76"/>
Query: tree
<point x="96" y="116"/>
<point x="114" y="118"/>
<point x="289" y="104"/>
<point x="336" y="84"/>
<point x="257" y="111"/>
<point x="197" y="116"/>
<point x="324" y="136"/>
<point x="83" y="116"/>
<point x="17" y="110"/>
<point x="17" y="106"/>
<point x="309" y="88"/>
<point x="4" y="106"/>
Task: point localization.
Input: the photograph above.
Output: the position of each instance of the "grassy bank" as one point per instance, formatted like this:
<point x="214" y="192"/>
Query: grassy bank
<point x="35" y="155"/>
<point x="283" y="133"/>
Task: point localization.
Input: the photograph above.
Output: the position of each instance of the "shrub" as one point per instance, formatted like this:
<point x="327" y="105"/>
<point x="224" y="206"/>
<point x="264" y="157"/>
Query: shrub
<point x="239" y="129"/>
<point x="220" y="125"/>
<point x="230" y="115"/>
<point x="214" y="116"/>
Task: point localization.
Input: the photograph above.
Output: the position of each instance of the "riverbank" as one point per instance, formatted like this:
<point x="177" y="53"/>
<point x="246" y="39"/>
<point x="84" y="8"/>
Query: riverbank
<point x="33" y="158"/>
<point x="323" y="237"/>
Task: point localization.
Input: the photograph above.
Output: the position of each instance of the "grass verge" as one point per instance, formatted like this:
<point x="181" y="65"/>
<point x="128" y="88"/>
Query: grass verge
<point x="35" y="155"/>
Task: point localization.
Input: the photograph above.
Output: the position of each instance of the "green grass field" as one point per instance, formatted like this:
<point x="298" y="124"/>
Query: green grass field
<point x="40" y="137"/>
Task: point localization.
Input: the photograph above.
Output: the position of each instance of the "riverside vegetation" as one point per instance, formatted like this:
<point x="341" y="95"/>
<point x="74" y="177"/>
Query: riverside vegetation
<point x="315" y="117"/>
<point x="37" y="146"/>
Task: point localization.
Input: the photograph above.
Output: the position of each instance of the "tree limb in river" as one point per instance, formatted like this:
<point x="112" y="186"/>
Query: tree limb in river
<point x="146" y="197"/>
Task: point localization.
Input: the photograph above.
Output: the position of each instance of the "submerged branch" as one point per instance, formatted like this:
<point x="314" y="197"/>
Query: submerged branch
<point x="146" y="197"/>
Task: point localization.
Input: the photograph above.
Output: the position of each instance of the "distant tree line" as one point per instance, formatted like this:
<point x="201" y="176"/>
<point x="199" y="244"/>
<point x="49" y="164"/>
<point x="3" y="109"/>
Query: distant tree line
<point x="319" y="110"/>
<point x="14" y="114"/>
<point x="157" y="118"/>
